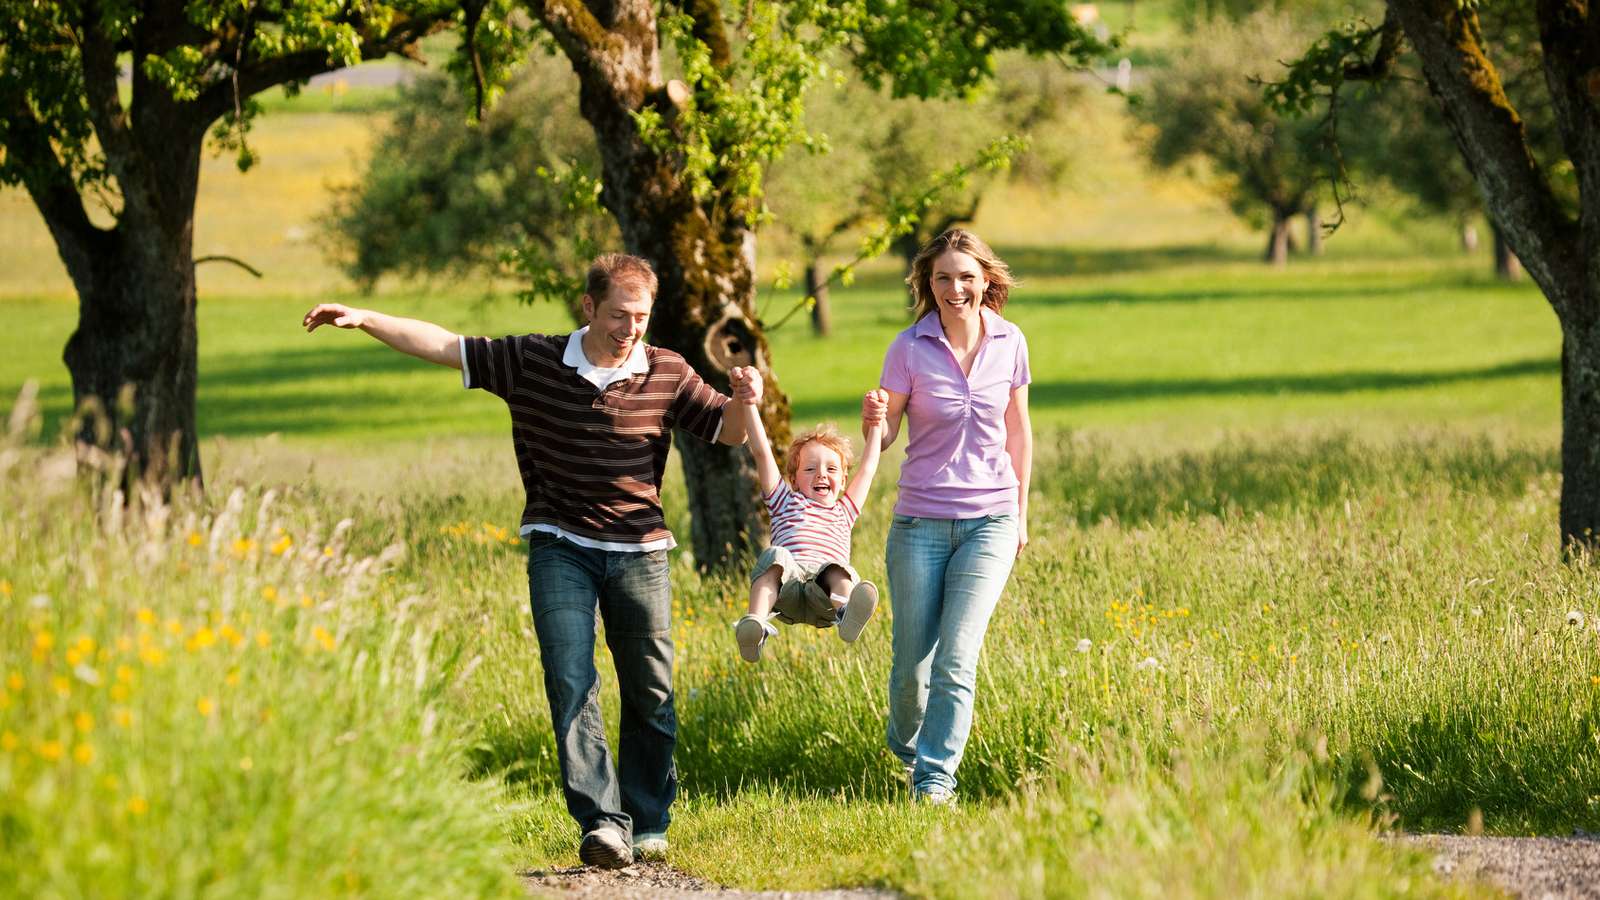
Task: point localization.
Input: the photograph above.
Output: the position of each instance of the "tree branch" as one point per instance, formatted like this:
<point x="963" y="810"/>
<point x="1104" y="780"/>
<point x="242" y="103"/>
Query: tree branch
<point x="220" y="257"/>
<point x="1390" y="35"/>
<point x="257" y="75"/>
<point x="1493" y="139"/>
<point x="51" y="186"/>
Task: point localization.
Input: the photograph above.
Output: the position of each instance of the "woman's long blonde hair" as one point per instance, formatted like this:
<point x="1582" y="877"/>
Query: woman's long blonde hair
<point x="961" y="240"/>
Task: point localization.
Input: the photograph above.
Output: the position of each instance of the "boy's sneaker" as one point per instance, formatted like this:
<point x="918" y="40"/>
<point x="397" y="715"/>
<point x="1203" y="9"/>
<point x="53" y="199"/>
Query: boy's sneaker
<point x="863" y="601"/>
<point x="650" y="846"/>
<point x="751" y="632"/>
<point x="606" y="848"/>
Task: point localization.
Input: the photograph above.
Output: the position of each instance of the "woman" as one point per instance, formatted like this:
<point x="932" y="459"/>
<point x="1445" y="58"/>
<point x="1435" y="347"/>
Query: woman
<point x="960" y="378"/>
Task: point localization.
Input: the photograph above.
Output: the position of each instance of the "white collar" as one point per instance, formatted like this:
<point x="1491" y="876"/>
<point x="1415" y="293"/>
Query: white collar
<point x="574" y="357"/>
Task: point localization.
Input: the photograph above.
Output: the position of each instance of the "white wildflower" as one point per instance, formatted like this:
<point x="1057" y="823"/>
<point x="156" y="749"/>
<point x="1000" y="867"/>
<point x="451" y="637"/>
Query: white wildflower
<point x="1575" y="619"/>
<point x="1084" y="644"/>
<point x="1149" y="662"/>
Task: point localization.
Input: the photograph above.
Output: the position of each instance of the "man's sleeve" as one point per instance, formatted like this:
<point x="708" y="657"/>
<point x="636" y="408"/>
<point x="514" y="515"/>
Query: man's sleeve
<point x="491" y="364"/>
<point x="698" y="408"/>
<point x="897" y="366"/>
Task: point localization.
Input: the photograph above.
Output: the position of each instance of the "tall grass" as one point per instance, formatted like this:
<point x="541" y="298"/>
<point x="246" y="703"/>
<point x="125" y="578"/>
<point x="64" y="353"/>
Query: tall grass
<point x="1213" y="673"/>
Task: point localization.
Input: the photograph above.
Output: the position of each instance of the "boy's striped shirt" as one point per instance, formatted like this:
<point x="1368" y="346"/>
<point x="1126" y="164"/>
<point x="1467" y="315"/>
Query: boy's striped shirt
<point x="814" y="533"/>
<point x="592" y="459"/>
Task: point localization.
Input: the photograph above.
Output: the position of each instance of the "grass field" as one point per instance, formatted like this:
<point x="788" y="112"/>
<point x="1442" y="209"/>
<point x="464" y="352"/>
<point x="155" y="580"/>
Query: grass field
<point x="1305" y="521"/>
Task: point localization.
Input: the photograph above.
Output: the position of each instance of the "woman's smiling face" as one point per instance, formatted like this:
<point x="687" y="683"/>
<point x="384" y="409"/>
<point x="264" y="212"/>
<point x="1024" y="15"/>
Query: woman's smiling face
<point x="958" y="285"/>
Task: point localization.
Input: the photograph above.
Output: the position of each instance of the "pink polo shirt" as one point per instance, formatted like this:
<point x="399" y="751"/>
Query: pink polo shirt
<point x="956" y="462"/>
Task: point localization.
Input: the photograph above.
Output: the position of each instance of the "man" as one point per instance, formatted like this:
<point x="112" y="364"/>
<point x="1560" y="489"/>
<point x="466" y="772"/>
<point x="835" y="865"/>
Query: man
<point x="592" y="415"/>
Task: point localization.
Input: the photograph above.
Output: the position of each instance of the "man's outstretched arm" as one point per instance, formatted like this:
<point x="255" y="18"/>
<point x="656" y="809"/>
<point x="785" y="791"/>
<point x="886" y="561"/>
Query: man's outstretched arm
<point x="424" y="340"/>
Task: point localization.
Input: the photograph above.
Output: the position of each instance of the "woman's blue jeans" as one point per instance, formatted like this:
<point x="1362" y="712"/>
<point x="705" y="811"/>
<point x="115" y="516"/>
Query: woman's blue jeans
<point x="945" y="577"/>
<point x="572" y="589"/>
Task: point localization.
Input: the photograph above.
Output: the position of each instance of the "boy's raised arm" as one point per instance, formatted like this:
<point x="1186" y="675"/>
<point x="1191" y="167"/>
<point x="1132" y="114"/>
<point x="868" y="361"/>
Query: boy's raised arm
<point x="424" y="340"/>
<point x="760" y="449"/>
<point x="873" y="412"/>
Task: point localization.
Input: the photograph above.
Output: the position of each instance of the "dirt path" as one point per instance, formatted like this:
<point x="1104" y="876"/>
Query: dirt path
<point x="1535" y="868"/>
<point x="658" y="880"/>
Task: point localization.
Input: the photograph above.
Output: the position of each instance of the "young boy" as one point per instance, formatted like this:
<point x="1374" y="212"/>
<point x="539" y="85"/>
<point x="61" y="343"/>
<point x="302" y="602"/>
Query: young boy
<point x="805" y="576"/>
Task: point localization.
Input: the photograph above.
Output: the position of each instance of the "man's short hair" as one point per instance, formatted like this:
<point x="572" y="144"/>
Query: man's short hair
<point x="613" y="269"/>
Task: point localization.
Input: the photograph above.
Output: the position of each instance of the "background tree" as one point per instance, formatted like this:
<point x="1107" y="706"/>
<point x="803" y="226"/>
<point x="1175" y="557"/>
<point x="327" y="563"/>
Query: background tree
<point x="441" y="194"/>
<point x="1554" y="228"/>
<point x="1205" y="107"/>
<point x="930" y="161"/>
<point x="1393" y="132"/>
<point x="682" y="174"/>
<point x="73" y="136"/>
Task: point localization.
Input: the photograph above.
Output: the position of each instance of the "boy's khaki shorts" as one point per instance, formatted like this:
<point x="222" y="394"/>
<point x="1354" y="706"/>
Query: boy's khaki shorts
<point x="801" y="600"/>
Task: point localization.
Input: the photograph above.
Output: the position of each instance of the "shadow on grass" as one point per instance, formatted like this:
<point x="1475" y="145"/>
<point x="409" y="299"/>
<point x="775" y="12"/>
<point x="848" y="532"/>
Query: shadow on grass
<point x="1069" y="394"/>
<point x="1243" y="477"/>
<point x="1527" y="772"/>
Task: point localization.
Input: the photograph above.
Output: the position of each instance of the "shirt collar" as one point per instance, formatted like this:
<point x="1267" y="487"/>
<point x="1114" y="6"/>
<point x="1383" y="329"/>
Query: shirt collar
<point x="993" y="325"/>
<point x="574" y="358"/>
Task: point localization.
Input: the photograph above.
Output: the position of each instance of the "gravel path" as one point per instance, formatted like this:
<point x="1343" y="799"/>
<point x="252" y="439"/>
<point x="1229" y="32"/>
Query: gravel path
<point x="658" y="880"/>
<point x="1534" y="868"/>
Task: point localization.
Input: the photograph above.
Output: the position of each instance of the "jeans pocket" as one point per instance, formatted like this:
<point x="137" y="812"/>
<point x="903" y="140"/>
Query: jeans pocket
<point x="900" y="521"/>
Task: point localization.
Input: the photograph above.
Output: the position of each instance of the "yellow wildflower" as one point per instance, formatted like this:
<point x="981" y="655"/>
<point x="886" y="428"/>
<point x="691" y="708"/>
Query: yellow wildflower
<point x="43" y="642"/>
<point x="146" y="616"/>
<point x="138" y="805"/>
<point x="281" y="546"/>
<point x="125" y="674"/>
<point x="123" y="718"/>
<point x="195" y="539"/>
<point x="50" y="750"/>
<point x="243" y="547"/>
<point x="83" y="754"/>
<point x="8" y="741"/>
<point x="305" y="601"/>
<point x="62" y="686"/>
<point x="124" y="643"/>
<point x="205" y="706"/>
<point x="16" y="682"/>
<point x="110" y="782"/>
<point x="232" y="636"/>
<point x="119" y="692"/>
<point x="5" y="588"/>
<point x="324" y="638"/>
<point x="269" y="594"/>
<point x="246" y="764"/>
<point x="174" y="626"/>
<point x="152" y="656"/>
<point x="83" y="722"/>
<point x="232" y="678"/>
<point x="263" y="639"/>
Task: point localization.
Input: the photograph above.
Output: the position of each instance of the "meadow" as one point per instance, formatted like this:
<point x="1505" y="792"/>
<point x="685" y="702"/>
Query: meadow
<point x="1294" y="584"/>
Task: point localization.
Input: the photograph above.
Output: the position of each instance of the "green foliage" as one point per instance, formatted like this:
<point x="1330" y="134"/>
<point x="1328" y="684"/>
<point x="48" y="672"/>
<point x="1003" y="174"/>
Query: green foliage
<point x="226" y="43"/>
<point x="1207" y="106"/>
<point x="510" y="194"/>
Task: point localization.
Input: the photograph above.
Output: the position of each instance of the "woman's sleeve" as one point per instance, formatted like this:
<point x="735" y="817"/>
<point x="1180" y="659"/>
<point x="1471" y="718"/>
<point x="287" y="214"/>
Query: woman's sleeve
<point x="1020" y="374"/>
<point x="897" y="367"/>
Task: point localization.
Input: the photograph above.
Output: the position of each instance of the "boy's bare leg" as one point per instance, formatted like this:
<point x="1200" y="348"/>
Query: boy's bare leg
<point x="752" y="630"/>
<point x="837" y="582"/>
<point x="764" y="592"/>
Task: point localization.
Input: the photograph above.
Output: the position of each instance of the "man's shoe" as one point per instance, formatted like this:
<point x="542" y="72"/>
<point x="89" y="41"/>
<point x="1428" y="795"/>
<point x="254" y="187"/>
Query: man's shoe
<point x="751" y="632"/>
<point x="935" y="795"/>
<point x="863" y="601"/>
<point x="650" y="846"/>
<point x="605" y="847"/>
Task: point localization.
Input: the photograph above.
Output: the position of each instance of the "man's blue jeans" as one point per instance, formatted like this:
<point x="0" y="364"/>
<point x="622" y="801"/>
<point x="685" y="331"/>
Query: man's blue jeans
<point x="572" y="589"/>
<point x="945" y="577"/>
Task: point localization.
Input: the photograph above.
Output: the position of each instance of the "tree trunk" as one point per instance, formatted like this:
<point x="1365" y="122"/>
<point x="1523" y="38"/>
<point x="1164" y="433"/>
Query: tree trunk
<point x="1313" y="232"/>
<point x="1469" y="238"/>
<point x="1277" y="253"/>
<point x="1506" y="265"/>
<point x="1580" y="436"/>
<point x="132" y="356"/>
<point x="817" y="290"/>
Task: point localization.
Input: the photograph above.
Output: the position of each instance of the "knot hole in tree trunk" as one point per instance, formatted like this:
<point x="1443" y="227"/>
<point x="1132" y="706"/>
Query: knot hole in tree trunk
<point x="730" y="343"/>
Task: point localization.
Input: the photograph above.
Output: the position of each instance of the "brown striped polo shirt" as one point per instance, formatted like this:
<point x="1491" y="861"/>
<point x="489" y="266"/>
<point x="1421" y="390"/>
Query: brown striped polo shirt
<point x="591" y="460"/>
